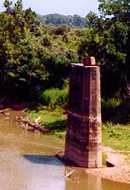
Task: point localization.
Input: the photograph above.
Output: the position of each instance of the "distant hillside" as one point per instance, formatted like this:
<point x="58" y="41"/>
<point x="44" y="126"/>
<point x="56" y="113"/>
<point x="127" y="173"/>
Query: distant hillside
<point x="57" y="19"/>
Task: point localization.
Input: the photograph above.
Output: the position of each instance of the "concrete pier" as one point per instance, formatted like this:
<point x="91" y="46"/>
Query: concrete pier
<point x="83" y="138"/>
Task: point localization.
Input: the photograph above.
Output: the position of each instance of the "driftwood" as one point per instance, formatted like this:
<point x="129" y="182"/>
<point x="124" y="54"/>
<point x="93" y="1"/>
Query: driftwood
<point x="69" y="174"/>
<point x="32" y="126"/>
<point x="4" y="113"/>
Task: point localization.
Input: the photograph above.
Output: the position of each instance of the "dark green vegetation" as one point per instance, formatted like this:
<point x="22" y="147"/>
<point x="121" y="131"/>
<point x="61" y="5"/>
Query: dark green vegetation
<point x="35" y="58"/>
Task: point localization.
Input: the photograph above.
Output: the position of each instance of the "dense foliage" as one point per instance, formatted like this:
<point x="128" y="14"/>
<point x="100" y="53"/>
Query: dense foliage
<point x="32" y="56"/>
<point x="106" y="38"/>
<point x="35" y="57"/>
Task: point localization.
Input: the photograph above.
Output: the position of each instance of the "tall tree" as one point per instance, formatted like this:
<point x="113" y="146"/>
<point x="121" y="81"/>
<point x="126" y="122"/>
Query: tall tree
<point x="106" y="37"/>
<point x="119" y="10"/>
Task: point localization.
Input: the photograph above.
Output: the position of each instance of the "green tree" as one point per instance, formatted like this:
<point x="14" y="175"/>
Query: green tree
<point x="32" y="56"/>
<point x="20" y="45"/>
<point x="105" y="37"/>
<point x="119" y="10"/>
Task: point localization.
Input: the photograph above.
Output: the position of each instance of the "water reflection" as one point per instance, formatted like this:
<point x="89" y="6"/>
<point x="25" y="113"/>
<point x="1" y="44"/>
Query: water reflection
<point x="85" y="182"/>
<point x="81" y="181"/>
<point x="27" y="163"/>
<point x="110" y="185"/>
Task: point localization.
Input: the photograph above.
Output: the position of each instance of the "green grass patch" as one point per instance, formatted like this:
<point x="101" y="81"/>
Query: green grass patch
<point x="55" y="120"/>
<point x="116" y="136"/>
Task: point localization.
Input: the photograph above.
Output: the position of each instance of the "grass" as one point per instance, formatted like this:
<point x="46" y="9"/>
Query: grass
<point x="116" y="136"/>
<point x="55" y="120"/>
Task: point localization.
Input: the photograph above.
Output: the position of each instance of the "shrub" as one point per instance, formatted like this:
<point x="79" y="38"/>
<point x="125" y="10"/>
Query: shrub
<point x="54" y="97"/>
<point x="111" y="103"/>
<point x="110" y="109"/>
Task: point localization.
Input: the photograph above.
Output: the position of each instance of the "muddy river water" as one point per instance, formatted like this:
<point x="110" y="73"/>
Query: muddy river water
<point x="27" y="162"/>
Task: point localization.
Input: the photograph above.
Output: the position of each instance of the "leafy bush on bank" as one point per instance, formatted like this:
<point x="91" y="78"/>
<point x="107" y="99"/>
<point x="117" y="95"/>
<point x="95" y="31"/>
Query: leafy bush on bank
<point x="55" y="97"/>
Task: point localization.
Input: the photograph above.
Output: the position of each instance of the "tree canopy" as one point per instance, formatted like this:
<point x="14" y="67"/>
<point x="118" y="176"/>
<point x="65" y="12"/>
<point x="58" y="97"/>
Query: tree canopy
<point x="34" y="56"/>
<point x="106" y="38"/>
<point x="31" y="55"/>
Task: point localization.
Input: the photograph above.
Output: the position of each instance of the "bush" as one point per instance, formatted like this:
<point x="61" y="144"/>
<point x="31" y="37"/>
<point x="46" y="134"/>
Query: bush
<point x="54" y="97"/>
<point x="111" y="103"/>
<point x="110" y="109"/>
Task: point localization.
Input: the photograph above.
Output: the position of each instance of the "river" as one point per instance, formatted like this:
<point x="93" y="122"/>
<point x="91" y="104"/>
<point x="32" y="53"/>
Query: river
<point x="27" y="162"/>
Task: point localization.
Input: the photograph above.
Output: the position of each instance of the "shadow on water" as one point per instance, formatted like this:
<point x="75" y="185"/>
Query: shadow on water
<point x="41" y="159"/>
<point x="78" y="178"/>
<point x="49" y="160"/>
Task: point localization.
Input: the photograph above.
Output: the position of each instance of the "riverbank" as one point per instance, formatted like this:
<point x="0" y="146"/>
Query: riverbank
<point x="114" y="136"/>
<point x="53" y="120"/>
<point x="120" y="166"/>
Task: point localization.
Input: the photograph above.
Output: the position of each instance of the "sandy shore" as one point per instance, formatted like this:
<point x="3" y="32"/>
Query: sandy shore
<point x="120" y="171"/>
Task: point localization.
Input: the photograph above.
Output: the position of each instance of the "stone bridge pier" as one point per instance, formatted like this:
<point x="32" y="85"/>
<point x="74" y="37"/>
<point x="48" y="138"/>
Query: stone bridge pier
<point x="83" y="138"/>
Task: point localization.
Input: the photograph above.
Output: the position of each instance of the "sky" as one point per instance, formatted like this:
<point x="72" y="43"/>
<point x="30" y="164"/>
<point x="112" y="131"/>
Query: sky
<point x="66" y="7"/>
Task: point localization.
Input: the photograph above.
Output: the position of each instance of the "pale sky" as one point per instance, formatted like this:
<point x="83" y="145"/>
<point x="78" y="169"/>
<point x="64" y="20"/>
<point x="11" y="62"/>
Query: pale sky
<point x="67" y="7"/>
